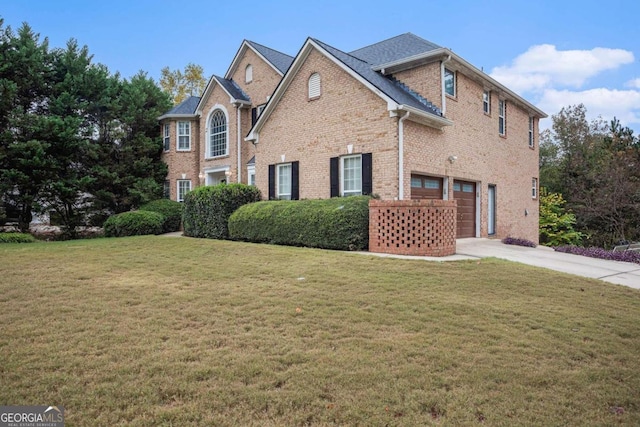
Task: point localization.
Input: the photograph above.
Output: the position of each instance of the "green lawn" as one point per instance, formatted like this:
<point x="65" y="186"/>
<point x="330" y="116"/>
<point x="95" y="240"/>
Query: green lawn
<point x="157" y="331"/>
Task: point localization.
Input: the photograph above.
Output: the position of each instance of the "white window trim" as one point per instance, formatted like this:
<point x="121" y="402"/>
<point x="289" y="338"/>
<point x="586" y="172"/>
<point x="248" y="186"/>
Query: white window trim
<point x="248" y="74"/>
<point x="486" y="104"/>
<point x="166" y="145"/>
<point x="178" y="182"/>
<point x="251" y="172"/>
<point x="314" y="95"/>
<point x="188" y="135"/>
<point x="342" y="190"/>
<point x="532" y="142"/>
<point x="534" y="188"/>
<point x="502" y="116"/>
<point x="259" y="109"/>
<point x="208" y="130"/>
<point x="455" y="86"/>
<point x="278" y="193"/>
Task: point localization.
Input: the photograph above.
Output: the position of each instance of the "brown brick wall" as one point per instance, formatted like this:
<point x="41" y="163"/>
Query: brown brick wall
<point x="311" y="132"/>
<point x="412" y="227"/>
<point x="181" y="162"/>
<point x="483" y="156"/>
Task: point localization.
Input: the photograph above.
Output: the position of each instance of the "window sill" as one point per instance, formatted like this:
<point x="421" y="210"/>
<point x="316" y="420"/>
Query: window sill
<point x="183" y="150"/>
<point x="532" y="147"/>
<point x="452" y="97"/>
<point x="217" y="157"/>
<point x="503" y="136"/>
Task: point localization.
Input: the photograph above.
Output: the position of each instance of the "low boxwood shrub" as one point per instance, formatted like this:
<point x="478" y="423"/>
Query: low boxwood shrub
<point x="340" y="223"/>
<point x="626" y="256"/>
<point x="207" y="209"/>
<point x="170" y="209"/>
<point x="16" y="238"/>
<point x="518" y="242"/>
<point x="134" y="223"/>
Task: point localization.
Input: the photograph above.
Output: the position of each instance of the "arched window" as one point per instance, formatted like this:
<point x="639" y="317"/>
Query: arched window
<point x="248" y="73"/>
<point x="314" y="86"/>
<point x="218" y="134"/>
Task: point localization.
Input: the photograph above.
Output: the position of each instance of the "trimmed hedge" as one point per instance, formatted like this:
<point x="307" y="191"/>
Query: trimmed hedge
<point x="207" y="209"/>
<point x="134" y="223"/>
<point x="340" y="223"/>
<point x="170" y="209"/>
<point x="16" y="238"/>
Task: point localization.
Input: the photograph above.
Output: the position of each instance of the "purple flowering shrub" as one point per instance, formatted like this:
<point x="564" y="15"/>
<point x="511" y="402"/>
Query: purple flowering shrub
<point x="626" y="256"/>
<point x="519" y="242"/>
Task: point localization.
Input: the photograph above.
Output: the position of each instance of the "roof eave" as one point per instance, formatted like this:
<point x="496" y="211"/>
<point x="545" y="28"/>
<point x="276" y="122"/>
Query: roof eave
<point x="178" y="116"/>
<point x="422" y="117"/>
<point x="480" y="76"/>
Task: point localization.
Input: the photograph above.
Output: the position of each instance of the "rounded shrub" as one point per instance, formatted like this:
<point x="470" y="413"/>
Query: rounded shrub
<point x="134" y="223"/>
<point x="207" y="209"/>
<point x="339" y="223"/>
<point x="16" y="238"/>
<point x="170" y="209"/>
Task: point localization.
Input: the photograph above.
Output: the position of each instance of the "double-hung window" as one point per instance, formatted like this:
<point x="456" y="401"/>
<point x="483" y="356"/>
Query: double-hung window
<point x="502" y="117"/>
<point x="449" y="82"/>
<point x="531" y="135"/>
<point x="351" y="173"/>
<point x="184" y="186"/>
<point x="167" y="137"/>
<point x="184" y="136"/>
<point x="486" y="102"/>
<point x="534" y="188"/>
<point x="284" y="181"/>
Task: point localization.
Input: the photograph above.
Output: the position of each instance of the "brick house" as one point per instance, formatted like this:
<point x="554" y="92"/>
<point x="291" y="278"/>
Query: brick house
<point x="402" y="118"/>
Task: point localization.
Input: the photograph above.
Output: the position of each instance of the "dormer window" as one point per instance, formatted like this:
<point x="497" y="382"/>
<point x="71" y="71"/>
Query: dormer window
<point x="314" y="86"/>
<point x="248" y="74"/>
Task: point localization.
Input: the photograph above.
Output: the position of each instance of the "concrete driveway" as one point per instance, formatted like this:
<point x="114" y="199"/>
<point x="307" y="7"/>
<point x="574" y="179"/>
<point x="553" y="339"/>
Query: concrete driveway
<point x="621" y="273"/>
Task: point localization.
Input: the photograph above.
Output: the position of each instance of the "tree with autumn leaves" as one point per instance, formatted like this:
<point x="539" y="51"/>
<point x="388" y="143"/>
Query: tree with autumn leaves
<point x="596" y="167"/>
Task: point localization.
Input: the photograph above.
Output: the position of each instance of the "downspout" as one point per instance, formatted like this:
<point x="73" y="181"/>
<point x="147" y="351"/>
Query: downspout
<point x="444" y="95"/>
<point x="401" y="156"/>
<point x="239" y="152"/>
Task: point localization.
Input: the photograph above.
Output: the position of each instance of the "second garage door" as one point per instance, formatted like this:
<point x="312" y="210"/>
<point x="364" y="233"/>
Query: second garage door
<point x="465" y="193"/>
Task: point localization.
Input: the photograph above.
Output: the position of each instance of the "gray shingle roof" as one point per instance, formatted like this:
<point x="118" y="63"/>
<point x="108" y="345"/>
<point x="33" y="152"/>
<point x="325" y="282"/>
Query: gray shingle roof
<point x="393" y="49"/>
<point x="394" y="89"/>
<point x="232" y="87"/>
<point x="280" y="60"/>
<point x="188" y="106"/>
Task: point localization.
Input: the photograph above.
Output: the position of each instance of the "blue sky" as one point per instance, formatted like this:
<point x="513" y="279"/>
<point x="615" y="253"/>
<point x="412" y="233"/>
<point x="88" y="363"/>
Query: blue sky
<point x="554" y="53"/>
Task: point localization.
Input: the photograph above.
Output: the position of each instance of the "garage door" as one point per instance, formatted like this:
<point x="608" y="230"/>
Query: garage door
<point x="465" y="193"/>
<point x="426" y="187"/>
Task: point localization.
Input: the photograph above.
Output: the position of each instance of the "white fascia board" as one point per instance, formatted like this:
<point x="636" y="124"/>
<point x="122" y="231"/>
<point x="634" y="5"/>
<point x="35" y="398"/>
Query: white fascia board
<point x="205" y="94"/>
<point x="479" y="75"/>
<point x="236" y="59"/>
<point x="422" y="117"/>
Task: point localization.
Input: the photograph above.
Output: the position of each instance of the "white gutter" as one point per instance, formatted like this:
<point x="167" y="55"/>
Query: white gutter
<point x="239" y="152"/>
<point x="444" y="95"/>
<point x="401" y="156"/>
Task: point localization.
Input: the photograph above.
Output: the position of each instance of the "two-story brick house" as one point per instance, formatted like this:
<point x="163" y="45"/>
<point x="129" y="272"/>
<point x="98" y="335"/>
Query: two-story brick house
<point x="204" y="136"/>
<point x="404" y="119"/>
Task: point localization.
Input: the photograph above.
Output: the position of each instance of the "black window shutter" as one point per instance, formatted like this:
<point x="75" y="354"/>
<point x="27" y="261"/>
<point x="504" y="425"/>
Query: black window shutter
<point x="334" y="175"/>
<point x="272" y="182"/>
<point x="254" y="116"/>
<point x="295" y="187"/>
<point x="367" y="174"/>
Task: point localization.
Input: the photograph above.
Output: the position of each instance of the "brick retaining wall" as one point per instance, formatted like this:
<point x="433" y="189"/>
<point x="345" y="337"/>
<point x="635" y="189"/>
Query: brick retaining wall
<point x="412" y="227"/>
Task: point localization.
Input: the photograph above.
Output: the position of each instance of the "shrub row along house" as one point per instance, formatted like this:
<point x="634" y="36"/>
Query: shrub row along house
<point x="402" y="118"/>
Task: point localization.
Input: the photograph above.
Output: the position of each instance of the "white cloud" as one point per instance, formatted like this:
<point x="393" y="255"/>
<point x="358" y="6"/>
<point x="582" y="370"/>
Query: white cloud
<point x="543" y="66"/>
<point x="634" y="83"/>
<point x="607" y="103"/>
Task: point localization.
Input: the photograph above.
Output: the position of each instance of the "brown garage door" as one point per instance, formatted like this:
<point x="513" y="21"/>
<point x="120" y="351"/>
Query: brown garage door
<point x="465" y="193"/>
<point x="426" y="187"/>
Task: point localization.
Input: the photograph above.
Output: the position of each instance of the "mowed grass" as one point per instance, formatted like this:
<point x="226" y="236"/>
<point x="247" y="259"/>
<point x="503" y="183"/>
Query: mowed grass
<point x="157" y="331"/>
